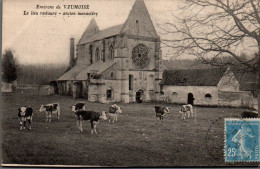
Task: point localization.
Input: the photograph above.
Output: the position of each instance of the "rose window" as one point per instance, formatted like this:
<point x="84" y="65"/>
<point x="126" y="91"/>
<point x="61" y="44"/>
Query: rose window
<point x="140" y="56"/>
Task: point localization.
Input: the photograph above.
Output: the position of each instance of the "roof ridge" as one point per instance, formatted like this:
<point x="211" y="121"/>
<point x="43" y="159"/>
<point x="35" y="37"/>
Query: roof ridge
<point x="101" y="34"/>
<point x="111" y="27"/>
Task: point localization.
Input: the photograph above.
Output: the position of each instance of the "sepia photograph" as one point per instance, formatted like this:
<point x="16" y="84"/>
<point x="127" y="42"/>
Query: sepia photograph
<point x="130" y="83"/>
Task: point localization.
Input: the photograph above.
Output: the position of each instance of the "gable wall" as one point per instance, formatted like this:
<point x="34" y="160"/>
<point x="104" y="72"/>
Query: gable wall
<point x="228" y="83"/>
<point x="144" y="27"/>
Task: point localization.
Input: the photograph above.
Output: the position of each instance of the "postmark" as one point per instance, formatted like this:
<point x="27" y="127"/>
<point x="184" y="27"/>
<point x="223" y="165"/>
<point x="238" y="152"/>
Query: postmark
<point x="242" y="140"/>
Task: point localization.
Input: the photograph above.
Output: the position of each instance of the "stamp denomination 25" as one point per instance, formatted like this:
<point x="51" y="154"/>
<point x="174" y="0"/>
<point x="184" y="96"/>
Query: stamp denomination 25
<point x="242" y="140"/>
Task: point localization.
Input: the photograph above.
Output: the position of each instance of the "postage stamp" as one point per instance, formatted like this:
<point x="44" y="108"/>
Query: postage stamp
<point x="242" y="140"/>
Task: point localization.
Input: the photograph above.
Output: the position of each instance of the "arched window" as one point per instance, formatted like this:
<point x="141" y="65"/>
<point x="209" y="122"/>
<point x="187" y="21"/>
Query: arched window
<point x="97" y="54"/>
<point x="208" y="96"/>
<point x="174" y="94"/>
<point x="150" y="82"/>
<point x="111" y="52"/>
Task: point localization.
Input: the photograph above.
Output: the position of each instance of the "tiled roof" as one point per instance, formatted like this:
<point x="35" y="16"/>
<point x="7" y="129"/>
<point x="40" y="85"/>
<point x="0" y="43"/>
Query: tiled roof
<point x="72" y="73"/>
<point x="112" y="31"/>
<point x="193" y="77"/>
<point x="79" y="71"/>
<point x="97" y="67"/>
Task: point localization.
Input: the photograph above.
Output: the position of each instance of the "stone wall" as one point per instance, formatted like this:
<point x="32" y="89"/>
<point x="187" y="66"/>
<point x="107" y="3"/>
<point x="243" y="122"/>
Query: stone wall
<point x="142" y="80"/>
<point x="237" y="99"/>
<point x="126" y="53"/>
<point x="179" y="94"/>
<point x="83" y="51"/>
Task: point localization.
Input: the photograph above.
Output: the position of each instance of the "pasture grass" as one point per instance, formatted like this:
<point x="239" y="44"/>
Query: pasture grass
<point x="137" y="139"/>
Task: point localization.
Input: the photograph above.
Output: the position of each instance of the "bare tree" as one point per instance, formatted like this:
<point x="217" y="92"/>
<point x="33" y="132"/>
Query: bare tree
<point x="211" y="29"/>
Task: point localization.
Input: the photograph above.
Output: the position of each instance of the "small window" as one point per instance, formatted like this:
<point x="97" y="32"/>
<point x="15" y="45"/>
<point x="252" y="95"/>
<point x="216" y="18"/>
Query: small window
<point x="137" y="26"/>
<point x="102" y="56"/>
<point x="131" y="83"/>
<point x="97" y="55"/>
<point x="161" y="88"/>
<point x="162" y="93"/>
<point x="112" y="75"/>
<point x="208" y="96"/>
<point x="109" y="94"/>
<point x="174" y="94"/>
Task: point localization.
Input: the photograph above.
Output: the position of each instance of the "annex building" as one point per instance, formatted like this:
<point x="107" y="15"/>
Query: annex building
<point x="209" y="87"/>
<point x="122" y="63"/>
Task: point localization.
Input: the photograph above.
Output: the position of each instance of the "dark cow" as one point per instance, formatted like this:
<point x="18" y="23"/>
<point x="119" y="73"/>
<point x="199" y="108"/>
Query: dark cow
<point x="113" y="112"/>
<point x="187" y="111"/>
<point x="78" y="106"/>
<point x="249" y="114"/>
<point x="49" y="109"/>
<point x="92" y="116"/>
<point x="160" y="111"/>
<point x="25" y="116"/>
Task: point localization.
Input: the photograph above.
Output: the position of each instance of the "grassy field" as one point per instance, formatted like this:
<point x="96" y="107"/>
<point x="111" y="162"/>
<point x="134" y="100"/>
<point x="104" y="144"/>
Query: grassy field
<point x="137" y="139"/>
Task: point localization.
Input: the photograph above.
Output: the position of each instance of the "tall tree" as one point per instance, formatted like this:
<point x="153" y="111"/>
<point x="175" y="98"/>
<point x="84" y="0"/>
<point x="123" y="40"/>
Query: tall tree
<point x="211" y="29"/>
<point x="9" y="67"/>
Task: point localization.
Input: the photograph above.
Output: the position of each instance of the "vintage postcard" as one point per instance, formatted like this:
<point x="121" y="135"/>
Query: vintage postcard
<point x="130" y="83"/>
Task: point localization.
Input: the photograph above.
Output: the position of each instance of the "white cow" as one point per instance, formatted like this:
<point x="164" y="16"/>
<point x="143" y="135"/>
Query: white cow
<point x="114" y="110"/>
<point x="187" y="111"/>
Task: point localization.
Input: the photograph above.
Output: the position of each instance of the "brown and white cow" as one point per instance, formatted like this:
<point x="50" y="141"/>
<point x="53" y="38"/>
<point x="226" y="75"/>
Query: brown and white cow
<point x="187" y="111"/>
<point x="50" y="109"/>
<point x="25" y="114"/>
<point x="114" y="110"/>
<point x="78" y="106"/>
<point x="160" y="111"/>
<point x="92" y="116"/>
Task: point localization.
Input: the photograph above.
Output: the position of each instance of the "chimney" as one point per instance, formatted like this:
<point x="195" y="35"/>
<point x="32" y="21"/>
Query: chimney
<point x="72" y="55"/>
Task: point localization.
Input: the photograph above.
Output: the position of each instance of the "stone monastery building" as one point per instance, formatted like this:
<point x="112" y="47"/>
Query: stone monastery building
<point x="122" y="63"/>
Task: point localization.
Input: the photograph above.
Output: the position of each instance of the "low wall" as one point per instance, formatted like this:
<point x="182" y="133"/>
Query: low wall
<point x="237" y="99"/>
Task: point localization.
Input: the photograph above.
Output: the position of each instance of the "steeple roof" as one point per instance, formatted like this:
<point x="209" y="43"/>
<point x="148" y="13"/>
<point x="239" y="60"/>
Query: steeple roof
<point x="139" y="18"/>
<point x="91" y="29"/>
<point x="138" y="23"/>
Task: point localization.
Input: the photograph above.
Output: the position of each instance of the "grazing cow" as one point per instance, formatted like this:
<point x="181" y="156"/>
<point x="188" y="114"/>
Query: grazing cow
<point x="249" y="114"/>
<point x="113" y="112"/>
<point x="187" y="111"/>
<point x="160" y="111"/>
<point x="78" y="106"/>
<point x="92" y="116"/>
<point x="25" y="115"/>
<point x="49" y="109"/>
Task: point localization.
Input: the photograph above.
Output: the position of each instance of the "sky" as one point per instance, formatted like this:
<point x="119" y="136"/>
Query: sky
<point x="45" y="39"/>
<point x="39" y="38"/>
